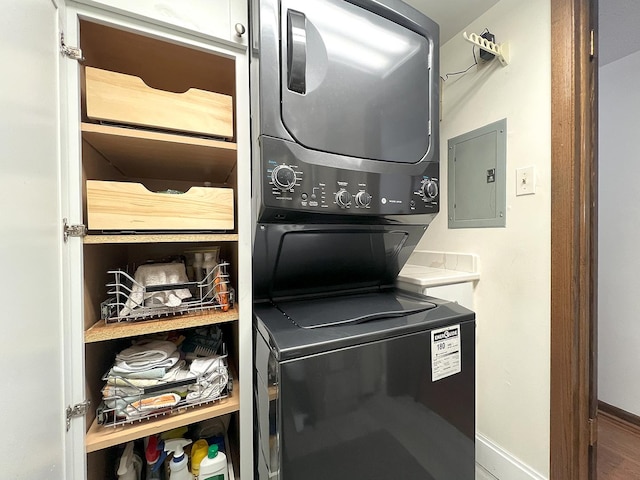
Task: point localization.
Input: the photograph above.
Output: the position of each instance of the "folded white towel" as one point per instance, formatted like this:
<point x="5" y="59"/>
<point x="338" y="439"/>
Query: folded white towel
<point x="157" y="274"/>
<point x="136" y="382"/>
<point x="147" y="350"/>
<point x="212" y="378"/>
<point x="142" y="365"/>
<point x="158" y="372"/>
<point x="178" y="372"/>
<point x="204" y="365"/>
<point x="210" y="388"/>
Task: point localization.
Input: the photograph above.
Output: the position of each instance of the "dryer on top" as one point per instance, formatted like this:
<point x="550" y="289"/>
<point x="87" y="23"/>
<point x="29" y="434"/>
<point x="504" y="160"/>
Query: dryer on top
<point x="346" y="111"/>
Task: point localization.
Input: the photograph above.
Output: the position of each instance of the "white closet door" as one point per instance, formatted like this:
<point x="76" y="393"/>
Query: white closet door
<point x="32" y="410"/>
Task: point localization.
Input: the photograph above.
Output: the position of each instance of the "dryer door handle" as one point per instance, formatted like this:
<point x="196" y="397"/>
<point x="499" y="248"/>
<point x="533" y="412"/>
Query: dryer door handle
<point x="296" y="51"/>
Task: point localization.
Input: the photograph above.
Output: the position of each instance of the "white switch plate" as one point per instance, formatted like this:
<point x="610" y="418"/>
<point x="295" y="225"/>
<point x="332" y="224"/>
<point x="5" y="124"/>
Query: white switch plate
<point x="525" y="181"/>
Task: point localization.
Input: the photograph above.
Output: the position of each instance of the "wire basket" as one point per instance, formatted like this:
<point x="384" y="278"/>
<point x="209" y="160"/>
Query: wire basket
<point x="129" y="300"/>
<point x="128" y="403"/>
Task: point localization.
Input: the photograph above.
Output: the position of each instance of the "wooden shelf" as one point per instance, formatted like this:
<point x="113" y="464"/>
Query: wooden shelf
<point x="136" y="153"/>
<point x="99" y="436"/>
<point x="101" y="331"/>
<point x="98" y="239"/>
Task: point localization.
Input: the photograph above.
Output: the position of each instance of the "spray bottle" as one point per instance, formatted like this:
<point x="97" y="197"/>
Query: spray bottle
<point x="154" y="454"/>
<point x="178" y="464"/>
<point x="130" y="465"/>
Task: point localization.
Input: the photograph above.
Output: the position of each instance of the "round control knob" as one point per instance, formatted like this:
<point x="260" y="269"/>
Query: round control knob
<point x="363" y="199"/>
<point x="283" y="177"/>
<point x="429" y="189"/>
<point x="343" y="198"/>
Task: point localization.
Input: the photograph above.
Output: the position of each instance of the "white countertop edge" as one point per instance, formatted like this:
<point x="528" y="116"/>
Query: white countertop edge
<point x="426" y="277"/>
<point x="429" y="269"/>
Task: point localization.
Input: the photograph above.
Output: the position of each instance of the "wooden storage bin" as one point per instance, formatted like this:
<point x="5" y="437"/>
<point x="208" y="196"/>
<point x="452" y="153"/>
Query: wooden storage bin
<point x="131" y="207"/>
<point x="120" y="98"/>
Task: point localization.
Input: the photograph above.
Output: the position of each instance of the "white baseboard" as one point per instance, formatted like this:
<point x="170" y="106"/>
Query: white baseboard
<point x="501" y="464"/>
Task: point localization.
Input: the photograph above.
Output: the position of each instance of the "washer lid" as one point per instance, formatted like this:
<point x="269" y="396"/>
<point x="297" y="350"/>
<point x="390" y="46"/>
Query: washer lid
<point x="288" y="340"/>
<point x="351" y="309"/>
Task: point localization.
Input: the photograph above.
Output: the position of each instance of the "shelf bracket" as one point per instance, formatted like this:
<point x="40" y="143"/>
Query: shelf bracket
<point x="78" y="410"/>
<point x="499" y="50"/>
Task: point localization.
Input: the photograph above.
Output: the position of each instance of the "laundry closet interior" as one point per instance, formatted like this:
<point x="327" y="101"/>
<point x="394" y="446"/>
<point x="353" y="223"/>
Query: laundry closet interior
<point x="184" y="152"/>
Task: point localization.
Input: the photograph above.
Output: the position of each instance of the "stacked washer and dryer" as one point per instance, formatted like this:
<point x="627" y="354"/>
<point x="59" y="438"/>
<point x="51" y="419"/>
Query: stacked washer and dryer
<point x="353" y="379"/>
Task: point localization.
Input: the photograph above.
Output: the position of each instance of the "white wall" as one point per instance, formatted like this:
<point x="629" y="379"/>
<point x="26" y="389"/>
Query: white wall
<point x="512" y="298"/>
<point x="619" y="235"/>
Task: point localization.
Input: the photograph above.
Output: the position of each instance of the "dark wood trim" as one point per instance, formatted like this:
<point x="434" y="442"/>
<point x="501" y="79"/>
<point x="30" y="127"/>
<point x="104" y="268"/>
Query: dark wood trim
<point x="573" y="240"/>
<point x="619" y="415"/>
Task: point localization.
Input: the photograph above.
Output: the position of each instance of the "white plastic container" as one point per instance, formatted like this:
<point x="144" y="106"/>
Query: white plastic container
<point x="179" y="462"/>
<point x="214" y="465"/>
<point x="130" y="465"/>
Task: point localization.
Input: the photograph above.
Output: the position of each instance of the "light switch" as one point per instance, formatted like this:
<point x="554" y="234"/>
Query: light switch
<point x="525" y="181"/>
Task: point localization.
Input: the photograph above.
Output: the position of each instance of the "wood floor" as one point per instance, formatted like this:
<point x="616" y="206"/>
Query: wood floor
<point x="618" y="449"/>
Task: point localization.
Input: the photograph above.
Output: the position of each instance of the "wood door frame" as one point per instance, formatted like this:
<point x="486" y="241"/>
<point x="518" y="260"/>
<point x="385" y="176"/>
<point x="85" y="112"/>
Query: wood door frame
<point x="573" y="239"/>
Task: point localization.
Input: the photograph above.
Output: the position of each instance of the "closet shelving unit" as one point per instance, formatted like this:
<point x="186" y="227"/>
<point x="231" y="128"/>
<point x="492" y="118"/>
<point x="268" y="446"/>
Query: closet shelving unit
<point x="159" y="160"/>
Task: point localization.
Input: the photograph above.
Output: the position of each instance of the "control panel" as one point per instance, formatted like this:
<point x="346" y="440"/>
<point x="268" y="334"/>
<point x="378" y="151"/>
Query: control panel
<point x="294" y="185"/>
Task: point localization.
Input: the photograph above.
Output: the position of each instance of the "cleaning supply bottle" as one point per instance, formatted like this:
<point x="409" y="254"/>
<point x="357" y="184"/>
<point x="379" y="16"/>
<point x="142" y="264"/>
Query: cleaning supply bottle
<point x="214" y="465"/>
<point x="199" y="450"/>
<point x="154" y="454"/>
<point x="130" y="465"/>
<point x="179" y="462"/>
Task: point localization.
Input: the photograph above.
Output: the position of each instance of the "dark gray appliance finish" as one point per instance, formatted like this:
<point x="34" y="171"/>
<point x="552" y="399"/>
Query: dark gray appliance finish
<point x="345" y="182"/>
<point x="345" y="96"/>
<point x="292" y="189"/>
<point x="310" y="259"/>
<point x="358" y="400"/>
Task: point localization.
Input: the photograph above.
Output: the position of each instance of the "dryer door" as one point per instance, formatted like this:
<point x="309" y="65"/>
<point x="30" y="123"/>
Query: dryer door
<point x="353" y="82"/>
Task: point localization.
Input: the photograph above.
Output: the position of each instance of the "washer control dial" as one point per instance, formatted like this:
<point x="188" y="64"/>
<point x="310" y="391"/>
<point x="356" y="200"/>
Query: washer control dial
<point x="343" y="198"/>
<point x="363" y="199"/>
<point x="283" y="177"/>
<point x="429" y="189"/>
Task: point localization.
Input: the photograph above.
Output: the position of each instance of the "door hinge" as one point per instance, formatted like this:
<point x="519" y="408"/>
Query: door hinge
<point x="78" y="410"/>
<point x="592" y="47"/>
<point x="593" y="431"/>
<point x="72" y="52"/>
<point x="73" y="230"/>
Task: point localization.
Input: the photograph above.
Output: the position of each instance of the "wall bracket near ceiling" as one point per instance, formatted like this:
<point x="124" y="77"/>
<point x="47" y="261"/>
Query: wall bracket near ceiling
<point x="499" y="50"/>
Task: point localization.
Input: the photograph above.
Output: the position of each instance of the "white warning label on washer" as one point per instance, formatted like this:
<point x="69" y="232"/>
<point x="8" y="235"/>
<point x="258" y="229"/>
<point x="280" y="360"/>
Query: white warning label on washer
<point x="445" y="352"/>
